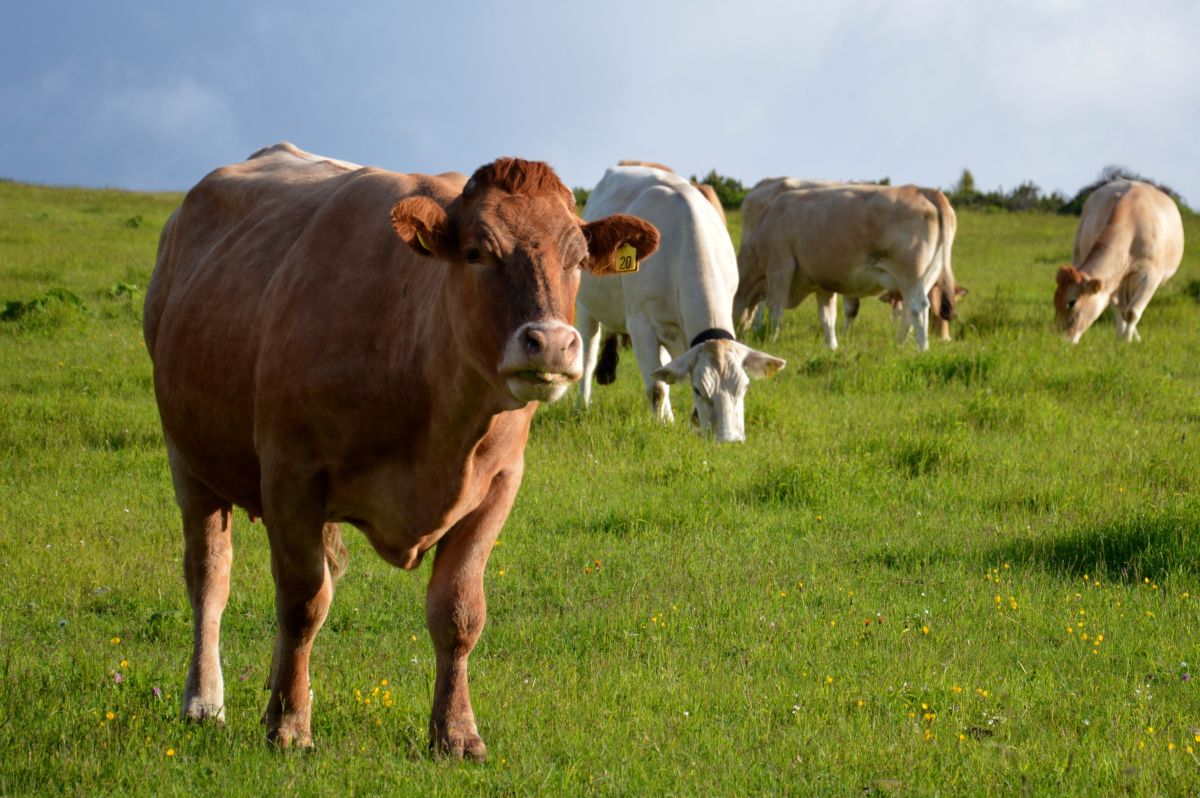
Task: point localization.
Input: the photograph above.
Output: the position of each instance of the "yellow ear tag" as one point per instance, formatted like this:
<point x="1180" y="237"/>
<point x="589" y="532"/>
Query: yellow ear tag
<point x="627" y="262"/>
<point x="424" y="242"/>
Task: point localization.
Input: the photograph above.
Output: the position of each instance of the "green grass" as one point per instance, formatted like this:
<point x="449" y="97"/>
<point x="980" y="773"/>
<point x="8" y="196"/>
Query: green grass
<point x="871" y="596"/>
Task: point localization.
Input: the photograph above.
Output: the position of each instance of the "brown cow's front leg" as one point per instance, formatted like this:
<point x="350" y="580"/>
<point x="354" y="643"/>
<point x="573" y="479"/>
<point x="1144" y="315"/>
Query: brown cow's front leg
<point x="207" y="558"/>
<point x="303" y="591"/>
<point x="456" y="611"/>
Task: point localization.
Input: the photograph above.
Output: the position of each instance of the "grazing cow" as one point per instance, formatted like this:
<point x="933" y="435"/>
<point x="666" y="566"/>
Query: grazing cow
<point x="942" y="296"/>
<point x="333" y="343"/>
<point x="1130" y="241"/>
<point x="679" y="303"/>
<point x="851" y="240"/>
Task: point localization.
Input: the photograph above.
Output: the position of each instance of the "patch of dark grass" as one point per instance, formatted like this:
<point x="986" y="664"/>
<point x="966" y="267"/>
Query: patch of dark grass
<point x="1191" y="289"/>
<point x="943" y="369"/>
<point x="911" y="559"/>
<point x="917" y="457"/>
<point x="793" y="485"/>
<point x="19" y="310"/>
<point x="1126" y="549"/>
<point x="994" y="412"/>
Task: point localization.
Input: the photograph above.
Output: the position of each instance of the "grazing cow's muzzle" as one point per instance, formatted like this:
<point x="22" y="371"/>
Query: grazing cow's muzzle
<point x="541" y="360"/>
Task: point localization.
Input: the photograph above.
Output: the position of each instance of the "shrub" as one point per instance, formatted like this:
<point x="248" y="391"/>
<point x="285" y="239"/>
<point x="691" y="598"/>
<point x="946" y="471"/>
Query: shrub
<point x="729" y="190"/>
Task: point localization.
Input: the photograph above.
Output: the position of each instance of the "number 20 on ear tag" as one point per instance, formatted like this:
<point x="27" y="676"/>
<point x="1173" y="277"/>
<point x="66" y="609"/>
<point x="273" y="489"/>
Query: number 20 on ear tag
<point x="627" y="262"/>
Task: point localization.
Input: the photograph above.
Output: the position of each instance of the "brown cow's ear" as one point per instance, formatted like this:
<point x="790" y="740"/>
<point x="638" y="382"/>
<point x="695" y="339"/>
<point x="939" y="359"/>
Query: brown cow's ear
<point x="605" y="236"/>
<point x="1067" y="275"/>
<point x="1092" y="287"/>
<point x="423" y="225"/>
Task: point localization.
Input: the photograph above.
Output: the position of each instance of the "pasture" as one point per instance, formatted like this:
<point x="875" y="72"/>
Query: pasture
<point x="973" y="571"/>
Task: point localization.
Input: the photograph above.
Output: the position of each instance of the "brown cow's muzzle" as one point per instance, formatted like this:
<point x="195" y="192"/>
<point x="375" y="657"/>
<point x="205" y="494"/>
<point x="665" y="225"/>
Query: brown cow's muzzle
<point x="541" y="360"/>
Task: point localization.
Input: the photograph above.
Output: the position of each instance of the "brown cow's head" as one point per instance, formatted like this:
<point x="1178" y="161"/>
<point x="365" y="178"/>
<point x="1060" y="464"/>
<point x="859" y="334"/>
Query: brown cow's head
<point x="517" y="248"/>
<point x="1078" y="301"/>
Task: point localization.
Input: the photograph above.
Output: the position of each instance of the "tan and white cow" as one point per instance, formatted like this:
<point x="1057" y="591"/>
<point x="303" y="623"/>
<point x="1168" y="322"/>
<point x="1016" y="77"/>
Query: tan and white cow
<point x="343" y="344"/>
<point x="677" y="306"/>
<point x="852" y="240"/>
<point x="1129" y="242"/>
<point x="943" y="295"/>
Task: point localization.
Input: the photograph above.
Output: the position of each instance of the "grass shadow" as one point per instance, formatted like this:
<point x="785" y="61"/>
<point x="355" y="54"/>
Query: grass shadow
<point x="1125" y="550"/>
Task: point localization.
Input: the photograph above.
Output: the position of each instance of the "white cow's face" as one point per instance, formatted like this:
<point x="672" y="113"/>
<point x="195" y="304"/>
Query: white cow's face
<point x="720" y="372"/>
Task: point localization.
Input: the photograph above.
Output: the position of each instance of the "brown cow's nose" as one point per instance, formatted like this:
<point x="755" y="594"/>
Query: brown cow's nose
<point x="534" y="340"/>
<point x="549" y="341"/>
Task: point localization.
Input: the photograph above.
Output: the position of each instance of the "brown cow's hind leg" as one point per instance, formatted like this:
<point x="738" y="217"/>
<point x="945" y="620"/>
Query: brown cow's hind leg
<point x="456" y="611"/>
<point x="207" y="558"/>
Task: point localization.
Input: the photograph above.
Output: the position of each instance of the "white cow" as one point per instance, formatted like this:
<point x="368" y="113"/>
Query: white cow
<point x="677" y="305"/>
<point x="853" y="240"/>
<point x="1130" y="241"/>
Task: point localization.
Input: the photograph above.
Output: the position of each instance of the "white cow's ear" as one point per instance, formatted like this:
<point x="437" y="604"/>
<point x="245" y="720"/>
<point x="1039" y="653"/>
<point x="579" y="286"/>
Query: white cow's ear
<point x="1092" y="287"/>
<point x="679" y="368"/>
<point x="760" y="365"/>
<point x="423" y="225"/>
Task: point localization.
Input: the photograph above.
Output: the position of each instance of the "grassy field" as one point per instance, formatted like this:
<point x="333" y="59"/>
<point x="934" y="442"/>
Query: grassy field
<point x="973" y="571"/>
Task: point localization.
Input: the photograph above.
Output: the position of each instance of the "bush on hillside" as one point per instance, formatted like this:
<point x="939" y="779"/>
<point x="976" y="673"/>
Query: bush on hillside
<point x="729" y="190"/>
<point x="1028" y="196"/>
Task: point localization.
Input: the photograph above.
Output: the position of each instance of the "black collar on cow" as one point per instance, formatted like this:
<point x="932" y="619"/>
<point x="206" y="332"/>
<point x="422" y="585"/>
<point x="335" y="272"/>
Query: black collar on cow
<point x="712" y="334"/>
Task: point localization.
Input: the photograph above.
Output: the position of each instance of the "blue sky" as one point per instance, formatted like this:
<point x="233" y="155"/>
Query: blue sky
<point x="153" y="95"/>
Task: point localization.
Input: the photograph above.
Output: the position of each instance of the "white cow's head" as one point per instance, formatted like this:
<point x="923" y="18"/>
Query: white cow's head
<point x="1078" y="301"/>
<point x="720" y="372"/>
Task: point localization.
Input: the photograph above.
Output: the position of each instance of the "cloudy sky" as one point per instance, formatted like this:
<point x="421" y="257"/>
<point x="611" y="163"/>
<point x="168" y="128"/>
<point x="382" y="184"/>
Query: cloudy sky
<point x="152" y="95"/>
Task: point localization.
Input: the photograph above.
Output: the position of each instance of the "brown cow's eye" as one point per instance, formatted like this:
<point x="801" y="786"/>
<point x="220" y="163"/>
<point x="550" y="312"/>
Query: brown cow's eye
<point x="474" y="256"/>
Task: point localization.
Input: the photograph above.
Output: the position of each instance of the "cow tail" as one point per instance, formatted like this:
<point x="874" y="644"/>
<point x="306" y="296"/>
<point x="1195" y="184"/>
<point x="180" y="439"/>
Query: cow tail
<point x="946" y="277"/>
<point x="945" y="274"/>
<point x="336" y="555"/>
<point x="606" y="366"/>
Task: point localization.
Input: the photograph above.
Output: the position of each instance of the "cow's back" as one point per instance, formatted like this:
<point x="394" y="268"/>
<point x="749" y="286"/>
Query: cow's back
<point x="759" y="198"/>
<point x="268" y="263"/>
<point x="1135" y="216"/>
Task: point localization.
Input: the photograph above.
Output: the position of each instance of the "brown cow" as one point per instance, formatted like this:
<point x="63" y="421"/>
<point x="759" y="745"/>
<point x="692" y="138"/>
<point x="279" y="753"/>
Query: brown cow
<point x="852" y="240"/>
<point x="1129" y="242"/>
<point x="943" y="296"/>
<point x="334" y="343"/>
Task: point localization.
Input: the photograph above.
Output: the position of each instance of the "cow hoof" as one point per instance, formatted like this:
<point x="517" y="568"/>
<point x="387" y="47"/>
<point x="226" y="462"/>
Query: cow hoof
<point x="284" y="738"/>
<point x="196" y="711"/>
<point x="461" y="746"/>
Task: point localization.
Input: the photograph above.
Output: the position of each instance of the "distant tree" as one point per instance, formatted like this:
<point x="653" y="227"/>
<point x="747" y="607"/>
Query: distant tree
<point x="581" y="196"/>
<point x="1109" y="174"/>
<point x="1025" y="197"/>
<point x="729" y="190"/>
<point x="965" y="184"/>
<point x="1029" y="197"/>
